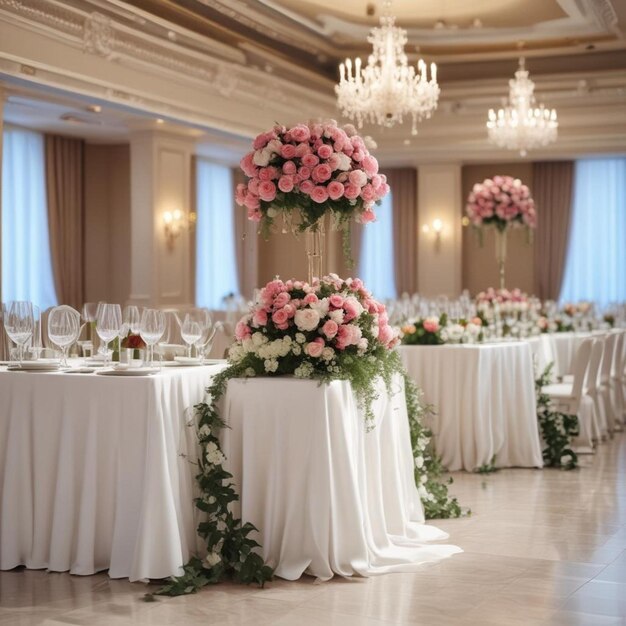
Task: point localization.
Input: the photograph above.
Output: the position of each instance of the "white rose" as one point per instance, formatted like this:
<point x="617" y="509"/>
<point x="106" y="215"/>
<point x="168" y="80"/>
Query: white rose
<point x="307" y="319"/>
<point x="419" y="462"/>
<point x="258" y="339"/>
<point x="336" y="316"/>
<point x="422" y="492"/>
<point x="300" y="338"/>
<point x="213" y="558"/>
<point x="321" y="306"/>
<point x="272" y="212"/>
<point x="205" y="431"/>
<point x="261" y="158"/>
<point x="274" y="146"/>
<point x="328" y="354"/>
<point x="344" y="162"/>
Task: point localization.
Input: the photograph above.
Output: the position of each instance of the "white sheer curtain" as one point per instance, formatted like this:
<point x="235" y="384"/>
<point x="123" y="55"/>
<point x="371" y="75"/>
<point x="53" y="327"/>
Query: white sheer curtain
<point x="216" y="270"/>
<point x="26" y="261"/>
<point x="596" y="258"/>
<point x="376" y="265"/>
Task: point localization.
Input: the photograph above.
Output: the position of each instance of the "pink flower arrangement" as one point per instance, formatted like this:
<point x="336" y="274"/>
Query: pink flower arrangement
<point x="501" y="296"/>
<point x="315" y="168"/>
<point x="312" y="329"/>
<point x="503" y="202"/>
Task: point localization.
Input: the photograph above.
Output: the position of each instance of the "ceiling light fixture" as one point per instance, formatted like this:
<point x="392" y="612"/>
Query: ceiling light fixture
<point x="387" y="89"/>
<point x="520" y="125"/>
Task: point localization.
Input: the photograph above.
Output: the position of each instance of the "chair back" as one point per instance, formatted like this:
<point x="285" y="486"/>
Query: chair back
<point x="5" y="342"/>
<point x="617" y="371"/>
<point x="581" y="364"/>
<point x="591" y="379"/>
<point x="607" y="359"/>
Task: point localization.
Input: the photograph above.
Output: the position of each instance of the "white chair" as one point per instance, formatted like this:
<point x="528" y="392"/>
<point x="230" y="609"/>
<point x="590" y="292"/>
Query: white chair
<point x="616" y="387"/>
<point x="604" y="390"/>
<point x="566" y="397"/>
<point x="590" y="407"/>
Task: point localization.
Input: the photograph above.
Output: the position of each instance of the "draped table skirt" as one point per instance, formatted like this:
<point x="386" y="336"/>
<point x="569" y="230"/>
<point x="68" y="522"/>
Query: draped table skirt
<point x="484" y="399"/>
<point x="92" y="475"/>
<point x="326" y="496"/>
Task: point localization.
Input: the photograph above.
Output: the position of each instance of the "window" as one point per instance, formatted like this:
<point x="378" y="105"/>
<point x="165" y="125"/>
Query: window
<point x="376" y="263"/>
<point x="596" y="255"/>
<point x="26" y="260"/>
<point x="216" y="268"/>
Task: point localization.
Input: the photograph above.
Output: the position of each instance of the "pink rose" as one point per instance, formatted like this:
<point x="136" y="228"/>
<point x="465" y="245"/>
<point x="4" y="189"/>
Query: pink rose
<point x="304" y="173"/>
<point x="310" y="298"/>
<point x="280" y="317"/>
<point x="253" y="186"/>
<point x="385" y="334"/>
<point x="321" y="173"/>
<point x="300" y="133"/>
<point x="263" y="139"/>
<point x="288" y="151"/>
<point x="431" y="324"/>
<point x="302" y="149"/>
<point x="351" y="191"/>
<point x="289" y="167"/>
<point x="307" y="186"/>
<point x="252" y="201"/>
<point x="335" y="190"/>
<point x="285" y="184"/>
<point x="268" y="173"/>
<point x="242" y="330"/>
<point x="281" y="300"/>
<point x="310" y="160"/>
<point x="254" y="215"/>
<point x="370" y="165"/>
<point x="240" y="194"/>
<point x="330" y="329"/>
<point x="267" y="190"/>
<point x="367" y="216"/>
<point x="336" y="300"/>
<point x="358" y="177"/>
<point x="260" y="317"/>
<point x="368" y="194"/>
<point x="319" y="194"/>
<point x="247" y="165"/>
<point x="324" y="151"/>
<point x="314" y="348"/>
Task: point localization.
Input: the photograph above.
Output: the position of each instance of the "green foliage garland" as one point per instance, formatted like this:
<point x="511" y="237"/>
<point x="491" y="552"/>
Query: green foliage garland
<point x="557" y="429"/>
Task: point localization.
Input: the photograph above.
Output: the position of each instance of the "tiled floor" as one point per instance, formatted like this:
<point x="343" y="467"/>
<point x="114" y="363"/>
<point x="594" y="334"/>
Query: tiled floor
<point x="541" y="547"/>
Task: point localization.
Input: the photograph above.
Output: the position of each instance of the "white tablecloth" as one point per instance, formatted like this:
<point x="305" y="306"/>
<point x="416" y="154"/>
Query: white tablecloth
<point x="327" y="497"/>
<point x="484" y="397"/>
<point x="91" y="476"/>
<point x="542" y="350"/>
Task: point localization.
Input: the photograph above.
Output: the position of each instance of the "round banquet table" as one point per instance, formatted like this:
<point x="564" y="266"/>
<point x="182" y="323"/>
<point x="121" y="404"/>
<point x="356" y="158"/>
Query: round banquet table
<point x="326" y="496"/>
<point x="484" y="400"/>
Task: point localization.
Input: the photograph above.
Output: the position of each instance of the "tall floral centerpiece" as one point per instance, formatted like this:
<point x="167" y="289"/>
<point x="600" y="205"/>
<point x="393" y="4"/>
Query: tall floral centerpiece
<point x="302" y="173"/>
<point x="503" y="202"/>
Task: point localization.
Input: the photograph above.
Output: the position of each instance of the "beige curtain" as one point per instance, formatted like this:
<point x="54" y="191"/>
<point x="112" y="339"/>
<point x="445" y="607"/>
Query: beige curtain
<point x="64" y="189"/>
<point x="246" y="244"/>
<point x="403" y="184"/>
<point x="552" y="192"/>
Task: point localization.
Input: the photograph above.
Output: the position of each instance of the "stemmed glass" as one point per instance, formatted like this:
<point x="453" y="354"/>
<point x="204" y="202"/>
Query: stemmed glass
<point x="191" y="332"/>
<point x="19" y="324"/>
<point x="132" y="318"/>
<point x="151" y="330"/>
<point x="63" y="328"/>
<point x="108" y="325"/>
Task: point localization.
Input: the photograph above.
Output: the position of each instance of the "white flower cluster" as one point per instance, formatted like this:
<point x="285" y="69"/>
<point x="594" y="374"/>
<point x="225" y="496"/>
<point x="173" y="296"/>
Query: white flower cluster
<point x="457" y="333"/>
<point x="213" y="454"/>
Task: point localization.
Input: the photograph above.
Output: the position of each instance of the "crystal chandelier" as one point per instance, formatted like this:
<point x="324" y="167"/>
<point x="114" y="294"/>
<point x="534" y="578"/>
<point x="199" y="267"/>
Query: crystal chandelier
<point x="387" y="89"/>
<point x="521" y="125"/>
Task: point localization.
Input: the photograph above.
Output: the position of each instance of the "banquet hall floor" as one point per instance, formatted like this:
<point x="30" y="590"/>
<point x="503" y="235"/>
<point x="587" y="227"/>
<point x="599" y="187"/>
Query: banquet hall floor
<point x="541" y="547"/>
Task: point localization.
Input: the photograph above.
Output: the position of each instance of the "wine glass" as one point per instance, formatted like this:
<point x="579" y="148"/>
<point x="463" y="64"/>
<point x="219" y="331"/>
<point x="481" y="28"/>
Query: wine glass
<point x="190" y="331"/>
<point x="108" y="325"/>
<point x="19" y="324"/>
<point x="151" y="329"/>
<point x="63" y="328"/>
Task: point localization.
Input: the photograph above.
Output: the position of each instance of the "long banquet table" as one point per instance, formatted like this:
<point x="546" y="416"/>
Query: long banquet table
<point x="91" y="472"/>
<point x="327" y="496"/>
<point x="97" y="473"/>
<point x="484" y="398"/>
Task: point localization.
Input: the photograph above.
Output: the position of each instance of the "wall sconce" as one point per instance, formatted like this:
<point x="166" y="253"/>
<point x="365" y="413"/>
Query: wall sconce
<point x="173" y="222"/>
<point x="436" y="228"/>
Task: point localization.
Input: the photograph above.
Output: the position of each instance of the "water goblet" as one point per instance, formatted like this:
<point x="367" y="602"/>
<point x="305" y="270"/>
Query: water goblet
<point x="191" y="332"/>
<point x="19" y="324"/>
<point x="151" y="329"/>
<point x="108" y="325"/>
<point x="63" y="328"/>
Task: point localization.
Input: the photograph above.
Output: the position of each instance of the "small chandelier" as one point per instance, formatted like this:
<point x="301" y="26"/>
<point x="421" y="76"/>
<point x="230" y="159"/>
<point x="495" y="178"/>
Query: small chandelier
<point x="521" y="125"/>
<point x="387" y="89"/>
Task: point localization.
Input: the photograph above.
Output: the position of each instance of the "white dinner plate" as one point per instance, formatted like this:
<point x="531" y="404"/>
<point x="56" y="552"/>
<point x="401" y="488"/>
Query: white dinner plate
<point x="185" y="360"/>
<point x="42" y="365"/>
<point x="129" y="371"/>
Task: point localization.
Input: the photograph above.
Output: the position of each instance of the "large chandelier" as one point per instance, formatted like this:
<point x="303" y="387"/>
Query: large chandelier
<point x="388" y="88"/>
<point x="521" y="125"/>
